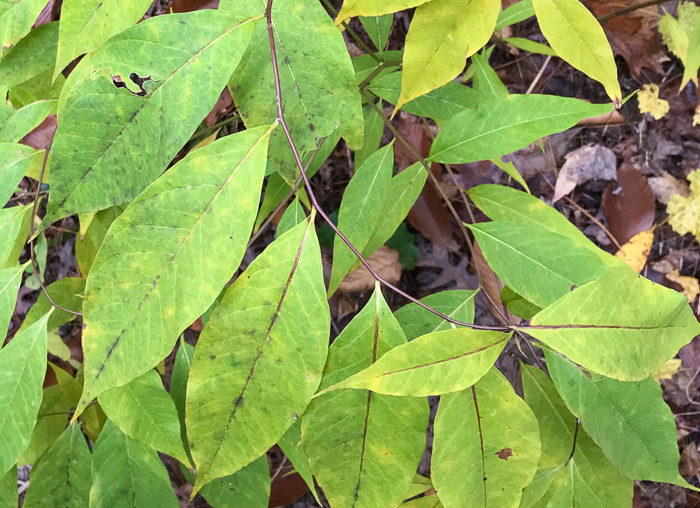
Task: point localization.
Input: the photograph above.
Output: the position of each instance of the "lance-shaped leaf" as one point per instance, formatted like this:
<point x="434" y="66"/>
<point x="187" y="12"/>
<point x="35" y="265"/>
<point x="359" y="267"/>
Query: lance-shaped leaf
<point x="486" y="445"/>
<point x="62" y="476"/>
<point x="578" y="38"/>
<point x="85" y="25"/>
<point x="86" y="247"/>
<point x="67" y="293"/>
<point x="10" y="279"/>
<point x="539" y="265"/>
<point x="24" y="120"/>
<point x="96" y="163"/>
<point x="31" y="56"/>
<point x="127" y="473"/>
<point x="366" y="8"/>
<point x="437" y="363"/>
<point x="629" y="421"/>
<point x="178" y="384"/>
<point x="14" y="229"/>
<point x="416" y="321"/>
<point x="378" y="28"/>
<point x="259" y="358"/>
<point x="293" y="215"/>
<point x="586" y="478"/>
<point x="378" y="439"/>
<point x="443" y="34"/>
<point x="16" y="19"/>
<point x="316" y="77"/>
<point x="292" y="447"/>
<point x="167" y="257"/>
<point x="360" y="210"/>
<point x="622" y="325"/>
<point x="144" y="411"/>
<point x="22" y="368"/>
<point x="502" y="126"/>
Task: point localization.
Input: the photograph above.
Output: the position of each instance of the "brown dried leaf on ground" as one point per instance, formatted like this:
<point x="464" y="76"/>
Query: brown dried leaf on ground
<point x="42" y="135"/>
<point x="665" y="186"/>
<point x="690" y="285"/>
<point x="222" y="107"/>
<point x="630" y="205"/>
<point x="384" y="261"/>
<point x="428" y="214"/>
<point x="593" y="162"/>
<point x="491" y="285"/>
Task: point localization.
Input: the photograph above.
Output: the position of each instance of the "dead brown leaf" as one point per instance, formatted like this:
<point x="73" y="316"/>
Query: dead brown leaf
<point x="191" y="5"/>
<point x="666" y="186"/>
<point x="384" y="261"/>
<point x="592" y="162"/>
<point x="491" y="284"/>
<point x="42" y="135"/>
<point x="222" y="107"/>
<point x="690" y="285"/>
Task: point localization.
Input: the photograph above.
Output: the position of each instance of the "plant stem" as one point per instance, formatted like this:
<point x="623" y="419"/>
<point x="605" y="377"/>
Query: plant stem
<point x="353" y="34"/>
<point x="315" y="203"/>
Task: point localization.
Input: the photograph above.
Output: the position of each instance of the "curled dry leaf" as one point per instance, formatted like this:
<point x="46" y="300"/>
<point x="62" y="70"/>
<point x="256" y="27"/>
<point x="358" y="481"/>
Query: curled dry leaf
<point x="384" y="261"/>
<point x="636" y="251"/>
<point x="665" y="187"/>
<point x="690" y="285"/>
<point x="594" y="162"/>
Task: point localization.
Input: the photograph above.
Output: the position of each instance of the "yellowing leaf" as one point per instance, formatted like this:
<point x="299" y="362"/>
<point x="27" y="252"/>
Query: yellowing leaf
<point x="636" y="251"/>
<point x="352" y="8"/>
<point x="684" y="213"/>
<point x="577" y="37"/>
<point x="674" y="36"/>
<point x="649" y="102"/>
<point x="443" y="34"/>
<point x="690" y="285"/>
<point x="667" y="370"/>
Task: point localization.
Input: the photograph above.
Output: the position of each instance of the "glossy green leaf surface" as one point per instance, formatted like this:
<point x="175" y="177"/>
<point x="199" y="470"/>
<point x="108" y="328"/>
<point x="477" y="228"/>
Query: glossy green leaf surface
<point x="14" y="229"/>
<point x="456" y="304"/>
<point x="577" y="37"/>
<point x="622" y="325"/>
<point x="316" y="77"/>
<point x="437" y="363"/>
<point x="10" y="280"/>
<point x="360" y="210"/>
<point x="167" y="257"/>
<point x="486" y="445"/>
<point x="67" y="293"/>
<point x="62" y="476"/>
<point x="16" y="19"/>
<point x="352" y="8"/>
<point x="127" y="474"/>
<point x="539" y="265"/>
<point x="260" y="355"/>
<point x="379" y="439"/>
<point x="31" y="56"/>
<point x="586" y="480"/>
<point x="97" y="164"/>
<point x="144" y="411"/>
<point x="22" y="368"/>
<point x="628" y="420"/>
<point x="502" y="126"/>
<point x="442" y="35"/>
<point x="85" y="25"/>
<point x="86" y="247"/>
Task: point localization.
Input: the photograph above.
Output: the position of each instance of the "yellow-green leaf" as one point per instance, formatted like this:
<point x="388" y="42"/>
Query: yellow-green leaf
<point x="366" y="8"/>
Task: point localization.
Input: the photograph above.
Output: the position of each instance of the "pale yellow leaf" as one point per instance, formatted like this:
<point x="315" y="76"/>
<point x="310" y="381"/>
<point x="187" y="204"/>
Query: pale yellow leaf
<point x="636" y="251"/>
<point x="649" y="102"/>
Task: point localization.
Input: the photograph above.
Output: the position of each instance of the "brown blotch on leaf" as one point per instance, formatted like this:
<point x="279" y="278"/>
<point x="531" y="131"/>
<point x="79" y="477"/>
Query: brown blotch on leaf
<point x="504" y="453"/>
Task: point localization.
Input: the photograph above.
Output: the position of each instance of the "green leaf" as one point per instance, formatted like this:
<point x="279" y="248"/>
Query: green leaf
<point x="86" y="247"/>
<point x="436" y="363"/>
<point x="292" y="216"/>
<point x="316" y="77"/>
<point x="22" y="368"/>
<point x="486" y="445"/>
<point x="487" y="84"/>
<point x="9" y="497"/>
<point x="67" y="293"/>
<point x="374" y="129"/>
<point x="367" y="8"/>
<point x="621" y="325"/>
<point x="517" y="304"/>
<point x="531" y="46"/>
<point x="629" y="421"/>
<point x="183" y="54"/>
<point x="144" y="411"/>
<point x="167" y="257"/>
<point x="439" y="104"/>
<point x="24" y="120"/>
<point x="378" y="28"/>
<point x="127" y="474"/>
<point x="14" y="229"/>
<point x="244" y="373"/>
<point x="360" y="210"/>
<point x="516" y="13"/>
<point x="36" y="88"/>
<point x="10" y="280"/>
<point x="178" y="384"/>
<point x="510" y="169"/>
<point x="248" y="487"/>
<point x="85" y="25"/>
<point x="292" y="447"/>
<point x="456" y="304"/>
<point x="539" y="265"/>
<point x="62" y="476"/>
<point x="577" y="37"/>
<point x="443" y="34"/>
<point x="502" y="126"/>
<point x="16" y="19"/>
<point x="366" y="66"/>
<point x="379" y="439"/>
<point x="588" y="480"/>
<point x="692" y="61"/>
<point x="31" y="56"/>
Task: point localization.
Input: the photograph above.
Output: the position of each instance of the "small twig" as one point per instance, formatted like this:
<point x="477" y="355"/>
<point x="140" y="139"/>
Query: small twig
<point x="32" y="257"/>
<point x="315" y="203"/>
<point x="279" y="469"/>
<point x="626" y="10"/>
<point x="539" y="75"/>
<point x="352" y="34"/>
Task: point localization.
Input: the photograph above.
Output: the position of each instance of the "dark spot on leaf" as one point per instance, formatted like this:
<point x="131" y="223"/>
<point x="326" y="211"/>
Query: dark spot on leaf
<point x="504" y="453"/>
<point x="212" y="357"/>
<point x="239" y="400"/>
<point x="278" y="361"/>
<point x="573" y="286"/>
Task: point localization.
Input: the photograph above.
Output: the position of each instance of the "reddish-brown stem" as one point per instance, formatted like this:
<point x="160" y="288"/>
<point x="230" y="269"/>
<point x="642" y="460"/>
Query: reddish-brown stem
<point x="315" y="203"/>
<point x="32" y="257"/>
